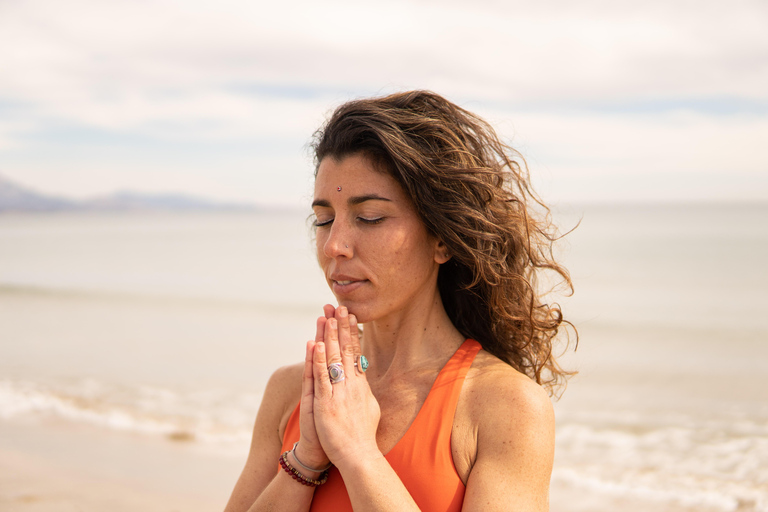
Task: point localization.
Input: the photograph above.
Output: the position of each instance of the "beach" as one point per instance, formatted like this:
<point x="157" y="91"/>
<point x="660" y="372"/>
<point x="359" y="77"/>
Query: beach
<point x="73" y="468"/>
<point x="134" y="350"/>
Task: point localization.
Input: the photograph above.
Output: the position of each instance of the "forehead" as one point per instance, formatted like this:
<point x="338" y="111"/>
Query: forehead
<point x="354" y="174"/>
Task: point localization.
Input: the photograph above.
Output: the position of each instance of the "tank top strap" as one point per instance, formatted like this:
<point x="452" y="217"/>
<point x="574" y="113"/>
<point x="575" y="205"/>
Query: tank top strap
<point x="422" y="458"/>
<point x="431" y="429"/>
<point x="447" y="387"/>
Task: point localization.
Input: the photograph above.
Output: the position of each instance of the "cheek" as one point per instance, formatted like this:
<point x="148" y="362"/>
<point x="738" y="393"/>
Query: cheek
<point x="395" y="246"/>
<point x="320" y="240"/>
<point x="408" y="256"/>
<point x="400" y="244"/>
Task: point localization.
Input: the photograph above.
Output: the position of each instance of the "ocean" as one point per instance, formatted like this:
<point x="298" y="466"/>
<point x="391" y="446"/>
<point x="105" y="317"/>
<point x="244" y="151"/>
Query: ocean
<point x="168" y="325"/>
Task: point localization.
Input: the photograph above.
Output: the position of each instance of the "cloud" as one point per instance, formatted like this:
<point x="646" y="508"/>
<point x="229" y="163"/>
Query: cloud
<point x="686" y="142"/>
<point x="596" y="86"/>
<point x="502" y="51"/>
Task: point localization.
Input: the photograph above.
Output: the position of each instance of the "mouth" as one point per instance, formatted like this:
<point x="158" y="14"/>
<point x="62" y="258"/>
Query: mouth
<point x="346" y="285"/>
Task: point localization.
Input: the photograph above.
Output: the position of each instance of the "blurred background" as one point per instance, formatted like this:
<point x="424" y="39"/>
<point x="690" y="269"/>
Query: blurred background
<point x="156" y="264"/>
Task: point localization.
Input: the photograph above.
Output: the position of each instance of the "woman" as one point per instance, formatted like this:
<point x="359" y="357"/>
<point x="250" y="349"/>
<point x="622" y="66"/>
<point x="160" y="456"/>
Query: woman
<point x="426" y="236"/>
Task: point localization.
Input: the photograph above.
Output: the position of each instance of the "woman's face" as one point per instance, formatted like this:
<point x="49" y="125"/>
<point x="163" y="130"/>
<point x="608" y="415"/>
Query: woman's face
<point x="373" y="248"/>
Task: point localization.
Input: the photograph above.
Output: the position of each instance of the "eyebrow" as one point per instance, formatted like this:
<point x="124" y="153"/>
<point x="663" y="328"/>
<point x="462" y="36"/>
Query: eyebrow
<point x="352" y="201"/>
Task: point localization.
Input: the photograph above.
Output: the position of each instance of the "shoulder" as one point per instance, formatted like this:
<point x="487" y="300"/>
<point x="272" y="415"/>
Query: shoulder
<point x="508" y="429"/>
<point x="499" y="393"/>
<point x="286" y="379"/>
<point x="282" y="395"/>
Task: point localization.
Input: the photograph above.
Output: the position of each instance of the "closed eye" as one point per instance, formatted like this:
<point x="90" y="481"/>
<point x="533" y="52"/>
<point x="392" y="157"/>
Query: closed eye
<point x="320" y="223"/>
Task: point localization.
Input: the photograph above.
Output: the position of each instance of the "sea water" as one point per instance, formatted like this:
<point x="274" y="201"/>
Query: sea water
<point x="169" y="325"/>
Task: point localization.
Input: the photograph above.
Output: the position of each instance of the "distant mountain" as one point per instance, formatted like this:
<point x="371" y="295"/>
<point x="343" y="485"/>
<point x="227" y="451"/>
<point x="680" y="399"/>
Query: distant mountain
<point x="14" y="197"/>
<point x="127" y="200"/>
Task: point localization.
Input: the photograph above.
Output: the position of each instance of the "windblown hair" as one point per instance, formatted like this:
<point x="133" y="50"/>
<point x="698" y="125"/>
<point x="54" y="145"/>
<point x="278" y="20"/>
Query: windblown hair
<point x="473" y="192"/>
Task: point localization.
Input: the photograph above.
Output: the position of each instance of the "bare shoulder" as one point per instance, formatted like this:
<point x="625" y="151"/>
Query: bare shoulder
<point x="504" y="425"/>
<point x="282" y="395"/>
<point x="498" y="392"/>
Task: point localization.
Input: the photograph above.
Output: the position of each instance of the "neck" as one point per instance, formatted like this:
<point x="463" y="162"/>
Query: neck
<point x="410" y="339"/>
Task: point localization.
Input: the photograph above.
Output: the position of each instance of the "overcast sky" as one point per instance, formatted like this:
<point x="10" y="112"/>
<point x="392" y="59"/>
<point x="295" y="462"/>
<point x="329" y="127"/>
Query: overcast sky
<point x="607" y="100"/>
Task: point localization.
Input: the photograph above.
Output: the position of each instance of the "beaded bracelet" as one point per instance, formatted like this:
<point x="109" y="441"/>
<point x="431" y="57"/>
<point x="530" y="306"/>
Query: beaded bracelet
<point x="296" y="475"/>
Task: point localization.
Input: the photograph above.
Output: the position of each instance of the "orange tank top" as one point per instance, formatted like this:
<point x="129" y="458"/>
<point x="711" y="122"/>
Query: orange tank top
<point x="422" y="457"/>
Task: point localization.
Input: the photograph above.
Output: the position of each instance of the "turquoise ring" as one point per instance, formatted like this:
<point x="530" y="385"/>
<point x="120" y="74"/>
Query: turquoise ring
<point x="361" y="363"/>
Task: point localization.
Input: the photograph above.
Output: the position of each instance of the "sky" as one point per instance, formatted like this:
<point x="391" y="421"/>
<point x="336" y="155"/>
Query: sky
<point x="607" y="100"/>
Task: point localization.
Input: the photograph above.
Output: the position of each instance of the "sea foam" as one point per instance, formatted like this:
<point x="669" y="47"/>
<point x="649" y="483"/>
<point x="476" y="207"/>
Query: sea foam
<point x="215" y="417"/>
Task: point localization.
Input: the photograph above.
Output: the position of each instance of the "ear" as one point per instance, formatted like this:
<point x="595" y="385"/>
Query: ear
<point x="441" y="253"/>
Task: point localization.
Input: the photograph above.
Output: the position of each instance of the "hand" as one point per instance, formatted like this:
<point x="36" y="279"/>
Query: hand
<point x="310" y="452"/>
<point x="346" y="414"/>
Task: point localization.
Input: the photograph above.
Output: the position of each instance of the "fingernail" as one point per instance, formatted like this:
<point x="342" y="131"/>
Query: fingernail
<point x="320" y="347"/>
<point x="332" y="323"/>
<point x="342" y="311"/>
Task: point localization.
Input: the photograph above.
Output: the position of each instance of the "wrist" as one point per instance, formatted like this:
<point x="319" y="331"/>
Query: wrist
<point x="310" y="474"/>
<point x="300" y="477"/>
<point x="360" y="460"/>
<point x="308" y="464"/>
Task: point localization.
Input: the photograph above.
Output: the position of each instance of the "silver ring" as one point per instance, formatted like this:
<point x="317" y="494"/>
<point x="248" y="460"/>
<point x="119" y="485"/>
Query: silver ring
<point x="361" y="363"/>
<point x="336" y="372"/>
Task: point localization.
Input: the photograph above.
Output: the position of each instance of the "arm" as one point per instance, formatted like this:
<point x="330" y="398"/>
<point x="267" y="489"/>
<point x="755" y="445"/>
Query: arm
<point x="347" y="416"/>
<point x="260" y="486"/>
<point x="373" y="485"/>
<point x="513" y="423"/>
<point x="515" y="450"/>
<point x="515" y="446"/>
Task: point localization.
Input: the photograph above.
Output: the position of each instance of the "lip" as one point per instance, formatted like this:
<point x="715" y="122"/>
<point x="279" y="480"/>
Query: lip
<point x="343" y="284"/>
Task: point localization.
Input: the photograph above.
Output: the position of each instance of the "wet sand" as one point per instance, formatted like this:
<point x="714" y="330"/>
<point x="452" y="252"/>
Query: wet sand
<point x="66" y="468"/>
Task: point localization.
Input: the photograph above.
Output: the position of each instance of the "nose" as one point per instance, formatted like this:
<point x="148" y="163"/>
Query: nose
<point x="337" y="245"/>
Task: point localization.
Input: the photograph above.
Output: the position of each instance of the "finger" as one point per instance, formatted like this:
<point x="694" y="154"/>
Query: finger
<point x="346" y="347"/>
<point x="354" y="333"/>
<point x="332" y="341"/>
<point x="307" y="381"/>
<point x="355" y="342"/>
<point x="320" y="332"/>
<point x="320" y="370"/>
<point x="329" y="311"/>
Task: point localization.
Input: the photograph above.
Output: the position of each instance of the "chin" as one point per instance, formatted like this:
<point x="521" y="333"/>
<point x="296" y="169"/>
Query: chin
<point x="362" y="313"/>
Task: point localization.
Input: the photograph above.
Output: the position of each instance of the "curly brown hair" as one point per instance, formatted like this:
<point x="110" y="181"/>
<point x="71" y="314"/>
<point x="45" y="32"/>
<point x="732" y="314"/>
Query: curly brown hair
<point x="473" y="192"/>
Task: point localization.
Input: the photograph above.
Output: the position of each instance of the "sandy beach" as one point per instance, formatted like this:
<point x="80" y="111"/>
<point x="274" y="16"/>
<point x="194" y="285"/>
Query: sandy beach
<point x="77" y="468"/>
<point x="66" y="468"/>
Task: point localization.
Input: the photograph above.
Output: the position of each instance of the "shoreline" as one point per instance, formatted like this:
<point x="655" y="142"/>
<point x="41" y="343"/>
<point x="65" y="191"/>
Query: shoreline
<point x="62" y="467"/>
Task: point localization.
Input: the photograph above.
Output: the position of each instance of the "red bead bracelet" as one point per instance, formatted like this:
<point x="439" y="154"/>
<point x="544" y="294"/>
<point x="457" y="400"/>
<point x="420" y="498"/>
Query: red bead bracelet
<point x="296" y="475"/>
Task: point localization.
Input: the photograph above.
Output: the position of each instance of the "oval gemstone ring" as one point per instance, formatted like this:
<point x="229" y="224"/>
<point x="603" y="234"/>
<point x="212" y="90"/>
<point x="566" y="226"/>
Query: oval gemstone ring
<point x="361" y="363"/>
<point x="336" y="372"/>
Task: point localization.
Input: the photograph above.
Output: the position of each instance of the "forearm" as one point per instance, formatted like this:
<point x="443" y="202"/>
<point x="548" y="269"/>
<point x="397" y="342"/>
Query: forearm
<point x="284" y="494"/>
<point x="373" y="486"/>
